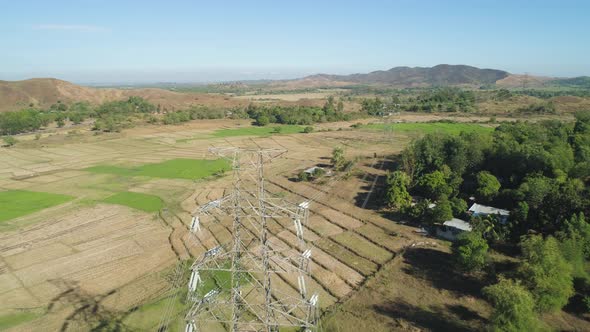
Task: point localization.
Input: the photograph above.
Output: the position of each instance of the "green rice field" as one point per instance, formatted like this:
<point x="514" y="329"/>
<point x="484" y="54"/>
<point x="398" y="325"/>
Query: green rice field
<point x="17" y="203"/>
<point x="8" y="321"/>
<point x="259" y="131"/>
<point x="139" y="201"/>
<point x="191" y="169"/>
<point x="431" y="128"/>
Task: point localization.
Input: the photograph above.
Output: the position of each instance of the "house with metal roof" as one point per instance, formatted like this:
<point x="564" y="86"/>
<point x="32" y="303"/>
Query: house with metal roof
<point x="451" y="229"/>
<point x="484" y="211"/>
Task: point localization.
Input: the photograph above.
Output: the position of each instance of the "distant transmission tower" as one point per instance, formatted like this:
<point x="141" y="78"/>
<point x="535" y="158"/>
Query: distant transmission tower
<point x="231" y="286"/>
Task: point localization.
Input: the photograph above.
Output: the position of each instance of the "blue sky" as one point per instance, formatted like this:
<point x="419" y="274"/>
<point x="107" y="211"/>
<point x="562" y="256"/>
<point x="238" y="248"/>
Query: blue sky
<point x="147" y="41"/>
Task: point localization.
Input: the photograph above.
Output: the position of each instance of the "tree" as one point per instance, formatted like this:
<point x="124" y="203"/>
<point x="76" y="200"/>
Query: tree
<point x="546" y="273"/>
<point x="434" y="185"/>
<point x="340" y="106"/>
<point x="262" y="120"/>
<point x="338" y="158"/>
<point x="329" y="108"/>
<point x="441" y="212"/>
<point x="470" y="251"/>
<point x="487" y="185"/>
<point x="458" y="205"/>
<point x="491" y="227"/>
<point x="574" y="242"/>
<point x="513" y="307"/>
<point x="397" y="195"/>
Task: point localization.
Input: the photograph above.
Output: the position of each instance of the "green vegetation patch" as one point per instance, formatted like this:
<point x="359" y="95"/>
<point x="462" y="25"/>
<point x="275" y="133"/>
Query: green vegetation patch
<point x="16" y="203"/>
<point x="259" y="131"/>
<point x="191" y="169"/>
<point x="144" y="202"/>
<point x="431" y="128"/>
<point x="8" y="321"/>
<point x="148" y="316"/>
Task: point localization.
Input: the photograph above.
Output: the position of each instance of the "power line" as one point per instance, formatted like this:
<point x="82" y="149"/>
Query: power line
<point x="250" y="302"/>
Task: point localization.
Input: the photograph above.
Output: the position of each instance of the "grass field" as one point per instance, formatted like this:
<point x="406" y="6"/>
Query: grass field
<point x="16" y="203"/>
<point x="191" y="169"/>
<point x="147" y="317"/>
<point x="430" y="128"/>
<point x="144" y="202"/>
<point x="259" y="131"/>
<point x="8" y="321"/>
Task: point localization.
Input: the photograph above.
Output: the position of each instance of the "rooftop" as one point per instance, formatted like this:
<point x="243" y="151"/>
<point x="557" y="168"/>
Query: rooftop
<point x="478" y="209"/>
<point x="459" y="224"/>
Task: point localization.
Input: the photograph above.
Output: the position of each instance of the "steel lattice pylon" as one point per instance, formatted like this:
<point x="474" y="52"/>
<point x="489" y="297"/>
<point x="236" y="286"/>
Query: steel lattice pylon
<point x="231" y="285"/>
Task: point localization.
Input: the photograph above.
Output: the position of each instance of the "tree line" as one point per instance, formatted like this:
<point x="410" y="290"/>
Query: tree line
<point x="115" y="115"/>
<point x="446" y="99"/>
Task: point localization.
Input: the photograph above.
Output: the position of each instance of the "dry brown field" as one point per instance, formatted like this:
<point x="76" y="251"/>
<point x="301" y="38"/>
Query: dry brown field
<point x="74" y="265"/>
<point x="56" y="261"/>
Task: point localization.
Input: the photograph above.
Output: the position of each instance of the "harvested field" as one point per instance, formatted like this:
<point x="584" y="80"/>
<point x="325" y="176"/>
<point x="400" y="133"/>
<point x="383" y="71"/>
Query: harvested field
<point x="124" y="258"/>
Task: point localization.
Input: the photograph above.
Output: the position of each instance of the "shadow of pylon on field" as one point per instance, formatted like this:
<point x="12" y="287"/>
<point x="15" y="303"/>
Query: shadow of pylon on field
<point x="88" y="312"/>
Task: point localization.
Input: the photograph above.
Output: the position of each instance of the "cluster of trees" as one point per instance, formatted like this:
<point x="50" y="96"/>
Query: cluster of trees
<point x="447" y="99"/>
<point x="545" y="280"/>
<point x="199" y="113"/>
<point x="541" y="108"/>
<point x="554" y="92"/>
<point x="12" y="123"/>
<point x="537" y="171"/>
<point x="299" y="115"/>
<point x="110" y="116"/>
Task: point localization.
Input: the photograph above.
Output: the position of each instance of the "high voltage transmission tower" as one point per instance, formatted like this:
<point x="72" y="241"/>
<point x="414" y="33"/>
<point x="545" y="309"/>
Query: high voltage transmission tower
<point x="233" y="285"/>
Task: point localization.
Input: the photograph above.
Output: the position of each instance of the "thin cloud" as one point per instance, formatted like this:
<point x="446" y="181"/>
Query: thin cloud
<point x="70" y="27"/>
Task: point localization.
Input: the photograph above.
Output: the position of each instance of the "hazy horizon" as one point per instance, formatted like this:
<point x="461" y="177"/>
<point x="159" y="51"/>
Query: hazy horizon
<point x="94" y="42"/>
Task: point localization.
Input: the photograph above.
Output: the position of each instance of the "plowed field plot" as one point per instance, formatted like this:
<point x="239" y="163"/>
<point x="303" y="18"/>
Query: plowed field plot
<point x="363" y="247"/>
<point x="385" y="239"/>
<point x="360" y="264"/>
<point x="16" y="203"/>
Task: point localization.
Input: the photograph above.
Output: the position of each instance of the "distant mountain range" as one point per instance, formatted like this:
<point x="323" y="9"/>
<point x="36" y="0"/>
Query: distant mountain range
<point x="422" y="76"/>
<point x="42" y="92"/>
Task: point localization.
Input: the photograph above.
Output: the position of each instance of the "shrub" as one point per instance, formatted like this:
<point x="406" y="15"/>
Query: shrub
<point x="318" y="172"/>
<point x="338" y="158"/>
<point x="470" y="251"/>
<point x="9" y="140"/>
<point x="513" y="307"/>
<point x="262" y="120"/>
<point x="308" y="129"/>
<point x="302" y="176"/>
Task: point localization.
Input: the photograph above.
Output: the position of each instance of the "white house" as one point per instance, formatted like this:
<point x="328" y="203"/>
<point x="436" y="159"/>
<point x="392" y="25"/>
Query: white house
<point x="483" y="210"/>
<point x="451" y="229"/>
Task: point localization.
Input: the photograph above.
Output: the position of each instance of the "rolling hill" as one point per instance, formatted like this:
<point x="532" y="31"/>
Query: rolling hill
<point x="420" y="76"/>
<point x="43" y="92"/>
